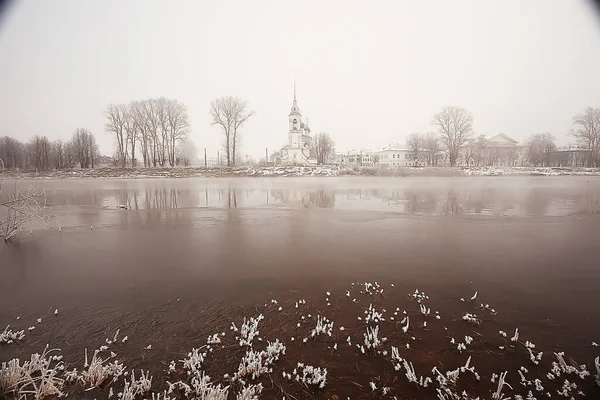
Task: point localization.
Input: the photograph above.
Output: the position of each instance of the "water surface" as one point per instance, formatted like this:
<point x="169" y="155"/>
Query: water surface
<point x="528" y="245"/>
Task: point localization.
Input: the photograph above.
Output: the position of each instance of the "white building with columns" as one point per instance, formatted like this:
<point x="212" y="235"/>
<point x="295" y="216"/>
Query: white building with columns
<point x="297" y="150"/>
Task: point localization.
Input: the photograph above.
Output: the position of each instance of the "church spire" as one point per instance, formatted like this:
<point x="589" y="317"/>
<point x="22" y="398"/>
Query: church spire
<point x="295" y="110"/>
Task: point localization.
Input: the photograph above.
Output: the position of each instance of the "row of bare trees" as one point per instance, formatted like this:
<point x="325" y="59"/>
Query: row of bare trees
<point x="42" y="154"/>
<point x="157" y="126"/>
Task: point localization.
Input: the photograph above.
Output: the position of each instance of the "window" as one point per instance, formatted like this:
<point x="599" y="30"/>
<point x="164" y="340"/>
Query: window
<point x="394" y="155"/>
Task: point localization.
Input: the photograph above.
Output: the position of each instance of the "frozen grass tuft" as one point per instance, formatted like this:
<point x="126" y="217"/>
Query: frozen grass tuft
<point x="193" y="362"/>
<point x="37" y="377"/>
<point x="98" y="372"/>
<point x="248" y="331"/>
<point x="309" y="375"/>
<point x="9" y="336"/>
<point x="324" y="327"/>
<point x="134" y="387"/>
<point x="256" y="363"/>
<point x="372" y="339"/>
<point x="250" y="392"/>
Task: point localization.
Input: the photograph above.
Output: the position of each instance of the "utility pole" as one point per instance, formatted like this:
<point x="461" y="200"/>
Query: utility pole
<point x="266" y="158"/>
<point x="205" y="162"/>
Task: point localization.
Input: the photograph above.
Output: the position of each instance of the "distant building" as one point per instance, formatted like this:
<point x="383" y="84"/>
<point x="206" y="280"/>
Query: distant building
<point x="497" y="150"/>
<point x="297" y="150"/>
<point x="503" y="150"/>
<point x="355" y="158"/>
<point x="394" y="156"/>
<point x="571" y="156"/>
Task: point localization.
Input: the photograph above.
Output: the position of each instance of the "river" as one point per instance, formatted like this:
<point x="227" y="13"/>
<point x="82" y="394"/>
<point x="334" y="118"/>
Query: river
<point x="169" y="260"/>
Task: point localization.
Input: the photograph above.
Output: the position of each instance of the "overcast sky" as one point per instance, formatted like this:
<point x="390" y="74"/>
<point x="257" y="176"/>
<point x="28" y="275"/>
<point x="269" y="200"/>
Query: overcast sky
<point x="368" y="73"/>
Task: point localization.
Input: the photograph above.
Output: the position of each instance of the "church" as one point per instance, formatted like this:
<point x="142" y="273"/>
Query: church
<point x="297" y="151"/>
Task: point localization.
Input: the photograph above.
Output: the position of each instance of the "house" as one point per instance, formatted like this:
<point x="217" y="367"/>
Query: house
<point x="355" y="158"/>
<point x="394" y="156"/>
<point x="572" y="156"/>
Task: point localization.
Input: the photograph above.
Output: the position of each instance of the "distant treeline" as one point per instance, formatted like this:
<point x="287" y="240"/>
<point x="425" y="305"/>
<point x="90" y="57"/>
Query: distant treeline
<point x="42" y="154"/>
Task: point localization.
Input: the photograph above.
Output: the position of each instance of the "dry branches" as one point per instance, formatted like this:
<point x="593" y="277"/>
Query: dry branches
<point x="19" y="207"/>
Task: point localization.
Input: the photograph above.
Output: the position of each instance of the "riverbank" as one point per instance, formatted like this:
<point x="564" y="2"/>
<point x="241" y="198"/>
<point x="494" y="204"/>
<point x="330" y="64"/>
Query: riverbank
<point x="322" y="171"/>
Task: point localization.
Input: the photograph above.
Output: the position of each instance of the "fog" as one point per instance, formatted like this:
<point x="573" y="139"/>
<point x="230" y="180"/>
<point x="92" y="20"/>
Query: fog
<point x="167" y="271"/>
<point x="366" y="74"/>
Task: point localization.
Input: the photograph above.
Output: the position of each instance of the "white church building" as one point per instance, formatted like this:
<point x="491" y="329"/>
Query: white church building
<point x="297" y="150"/>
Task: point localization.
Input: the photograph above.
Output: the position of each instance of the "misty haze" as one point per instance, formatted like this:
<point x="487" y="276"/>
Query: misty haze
<point x="299" y="200"/>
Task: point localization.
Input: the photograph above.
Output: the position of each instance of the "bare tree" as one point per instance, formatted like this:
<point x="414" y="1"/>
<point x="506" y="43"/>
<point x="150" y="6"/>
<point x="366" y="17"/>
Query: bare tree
<point x="177" y="126"/>
<point x="539" y="149"/>
<point x="230" y="113"/>
<point x="455" y="126"/>
<point x="19" y="207"/>
<point x="151" y="116"/>
<point x="162" y="140"/>
<point x="323" y="148"/>
<point x="116" y="122"/>
<point x="415" y="143"/>
<point x="57" y="154"/>
<point x="587" y="134"/>
<point x="478" y="150"/>
<point x="83" y="144"/>
<point x="137" y="112"/>
<point x="432" y="144"/>
<point x="131" y="133"/>
<point x="70" y="153"/>
<point x="93" y="151"/>
<point x="186" y="152"/>
<point x="12" y="152"/>
<point x="37" y="153"/>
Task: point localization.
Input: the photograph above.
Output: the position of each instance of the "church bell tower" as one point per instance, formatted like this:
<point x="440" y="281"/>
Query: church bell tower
<point x="295" y="117"/>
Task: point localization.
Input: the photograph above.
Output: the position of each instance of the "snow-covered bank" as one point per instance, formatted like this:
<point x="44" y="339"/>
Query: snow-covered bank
<point x="325" y="171"/>
<point x="535" y="171"/>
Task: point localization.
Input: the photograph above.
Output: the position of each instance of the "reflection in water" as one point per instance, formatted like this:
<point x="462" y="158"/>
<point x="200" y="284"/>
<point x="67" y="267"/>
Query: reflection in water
<point x="507" y="196"/>
<point x="163" y="199"/>
<point x="452" y="207"/>
<point x="231" y="198"/>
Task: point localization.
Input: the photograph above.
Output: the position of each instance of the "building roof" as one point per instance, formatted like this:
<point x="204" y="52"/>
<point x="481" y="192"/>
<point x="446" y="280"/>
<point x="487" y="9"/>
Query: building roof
<point x="394" y="147"/>
<point x="501" y="137"/>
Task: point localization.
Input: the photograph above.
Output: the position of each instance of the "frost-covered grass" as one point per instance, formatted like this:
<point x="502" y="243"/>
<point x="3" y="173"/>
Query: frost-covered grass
<point x="366" y="340"/>
<point x="540" y="171"/>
